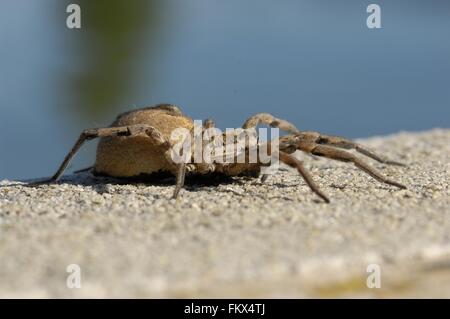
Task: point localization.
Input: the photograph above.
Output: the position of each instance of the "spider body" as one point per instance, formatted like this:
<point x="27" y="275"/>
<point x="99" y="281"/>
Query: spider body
<point x="140" y="142"/>
<point x="130" y="156"/>
<point x="144" y="153"/>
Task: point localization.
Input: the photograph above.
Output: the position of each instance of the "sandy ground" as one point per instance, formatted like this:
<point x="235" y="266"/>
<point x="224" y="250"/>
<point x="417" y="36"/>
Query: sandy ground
<point x="239" y="239"/>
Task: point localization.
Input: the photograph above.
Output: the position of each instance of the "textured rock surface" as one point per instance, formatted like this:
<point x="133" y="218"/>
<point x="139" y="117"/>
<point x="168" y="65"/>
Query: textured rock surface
<point x="240" y="239"/>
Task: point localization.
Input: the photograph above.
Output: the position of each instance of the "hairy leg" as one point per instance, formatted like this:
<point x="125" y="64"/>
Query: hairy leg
<point x="344" y="156"/>
<point x="295" y="163"/>
<point x="268" y="119"/>
<point x="341" y="142"/>
<point x="180" y="179"/>
<point x="90" y="134"/>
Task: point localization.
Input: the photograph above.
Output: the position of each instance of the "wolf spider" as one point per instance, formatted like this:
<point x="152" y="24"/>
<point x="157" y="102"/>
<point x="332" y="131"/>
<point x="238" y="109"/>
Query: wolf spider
<point x="138" y="142"/>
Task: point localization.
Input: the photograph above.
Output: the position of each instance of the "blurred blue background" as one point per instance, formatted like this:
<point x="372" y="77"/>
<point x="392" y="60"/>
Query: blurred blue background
<point x="313" y="62"/>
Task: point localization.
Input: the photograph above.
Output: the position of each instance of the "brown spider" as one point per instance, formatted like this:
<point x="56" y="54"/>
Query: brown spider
<point x="138" y="142"/>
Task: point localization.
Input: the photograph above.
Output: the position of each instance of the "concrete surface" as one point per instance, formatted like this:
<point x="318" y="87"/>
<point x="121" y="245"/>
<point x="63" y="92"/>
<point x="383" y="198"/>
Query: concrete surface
<point x="240" y="239"/>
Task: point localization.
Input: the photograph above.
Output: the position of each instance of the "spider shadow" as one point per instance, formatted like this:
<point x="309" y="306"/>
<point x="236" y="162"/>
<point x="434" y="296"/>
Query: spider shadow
<point x="99" y="183"/>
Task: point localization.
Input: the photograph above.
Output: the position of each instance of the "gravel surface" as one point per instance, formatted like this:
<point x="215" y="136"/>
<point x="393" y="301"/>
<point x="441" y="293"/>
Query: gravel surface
<point x="239" y="238"/>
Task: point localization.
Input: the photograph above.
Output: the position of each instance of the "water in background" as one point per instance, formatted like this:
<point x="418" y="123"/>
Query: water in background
<point x="313" y="62"/>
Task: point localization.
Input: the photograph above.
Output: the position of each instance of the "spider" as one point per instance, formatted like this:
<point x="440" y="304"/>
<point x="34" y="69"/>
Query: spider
<point x="138" y="142"/>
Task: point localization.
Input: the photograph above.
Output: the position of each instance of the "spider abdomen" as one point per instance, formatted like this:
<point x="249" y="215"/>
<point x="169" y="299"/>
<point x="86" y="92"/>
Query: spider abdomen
<point x="129" y="156"/>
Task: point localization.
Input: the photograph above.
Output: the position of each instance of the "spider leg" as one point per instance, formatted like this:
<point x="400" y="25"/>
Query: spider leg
<point x="344" y="156"/>
<point x="269" y="119"/>
<point x="347" y="144"/>
<point x="208" y="123"/>
<point x="83" y="170"/>
<point x="90" y="134"/>
<point x="266" y="118"/>
<point x="180" y="179"/>
<point x="181" y="173"/>
<point x="264" y="177"/>
<point x="295" y="163"/>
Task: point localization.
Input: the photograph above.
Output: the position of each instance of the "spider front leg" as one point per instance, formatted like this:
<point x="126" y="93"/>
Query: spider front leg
<point x="341" y="142"/>
<point x="90" y="134"/>
<point x="344" y="156"/>
<point x="313" y="143"/>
